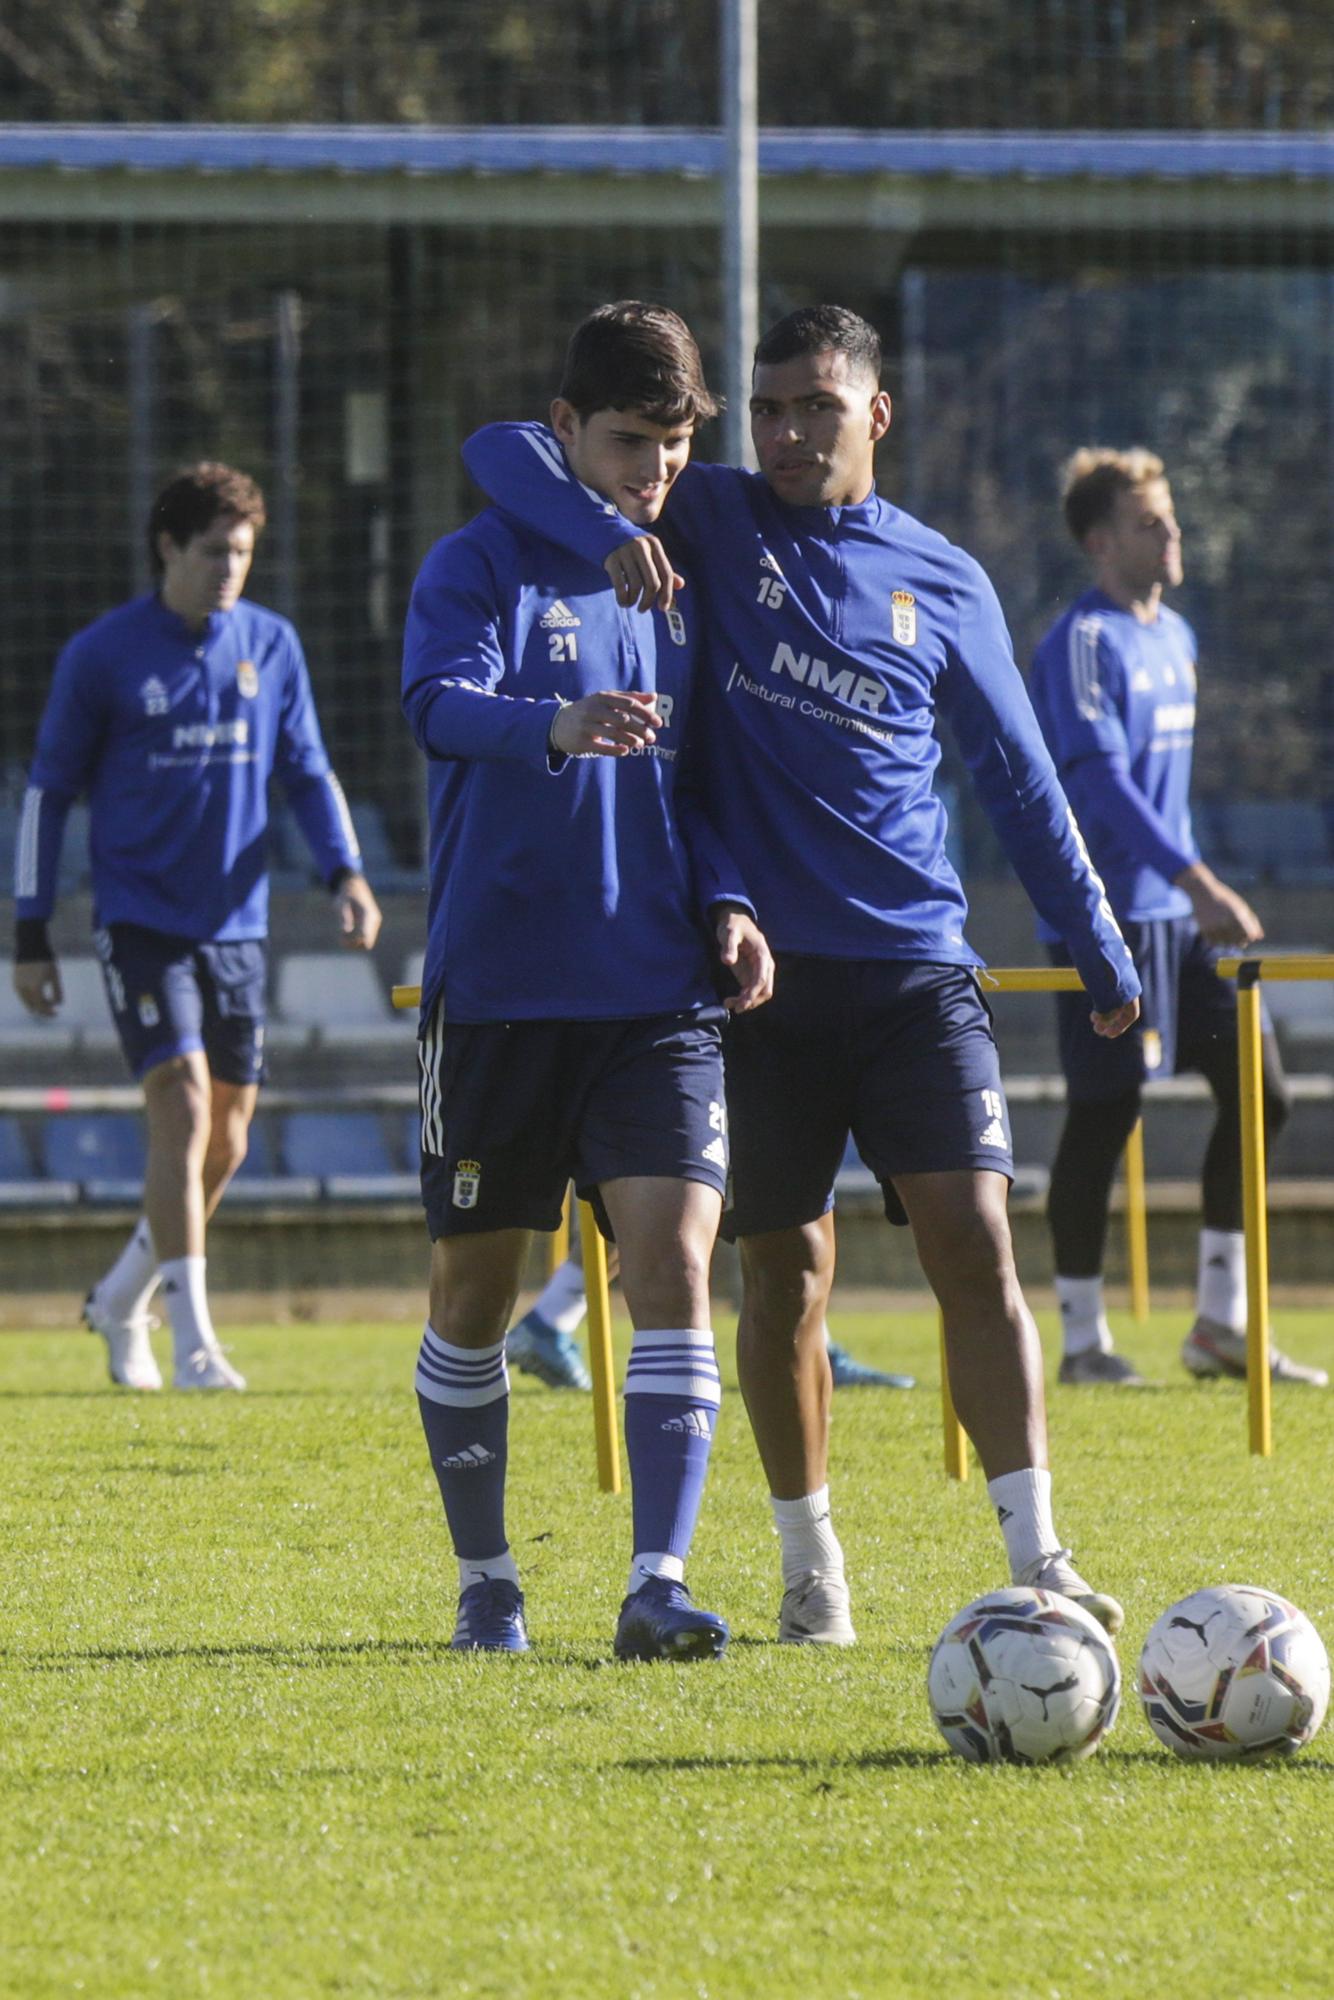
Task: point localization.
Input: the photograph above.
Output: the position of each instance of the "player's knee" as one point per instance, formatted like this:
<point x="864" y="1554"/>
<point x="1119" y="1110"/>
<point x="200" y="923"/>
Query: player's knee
<point x="667" y="1283"/>
<point x="787" y="1274"/>
<point x="176" y="1098"/>
<point x="472" y="1292"/>
<point x="228" y="1145"/>
<point x="969" y="1254"/>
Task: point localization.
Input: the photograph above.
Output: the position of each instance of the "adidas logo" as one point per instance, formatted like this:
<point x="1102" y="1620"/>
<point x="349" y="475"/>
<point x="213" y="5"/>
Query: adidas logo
<point x="694" y="1424"/>
<point x="715" y="1151"/>
<point x="994" y="1135"/>
<point x="560" y="618"/>
<point x="468" y="1460"/>
<point x="1003" y="1514"/>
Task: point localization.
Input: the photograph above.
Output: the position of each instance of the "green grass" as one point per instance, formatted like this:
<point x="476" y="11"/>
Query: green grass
<point x="237" y="1758"/>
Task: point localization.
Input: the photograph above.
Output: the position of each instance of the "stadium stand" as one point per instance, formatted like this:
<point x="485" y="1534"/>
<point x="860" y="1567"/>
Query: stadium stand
<point x="1277" y="840"/>
<point x="21" y="1034"/>
<point x="348" y="1153"/>
<point x="334" y="1000"/>
<point x="103" y="1151"/>
<point x="84" y="1011"/>
<point x="20" y="1185"/>
<point x="260" y="1180"/>
<point x="384" y="870"/>
<point x="1302" y="1014"/>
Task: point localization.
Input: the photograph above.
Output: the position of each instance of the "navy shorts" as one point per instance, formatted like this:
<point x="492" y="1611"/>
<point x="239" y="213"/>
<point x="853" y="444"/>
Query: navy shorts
<point x="899" y="1054"/>
<point x="1187" y="1019"/>
<point x="512" y="1112"/>
<point x="170" y="995"/>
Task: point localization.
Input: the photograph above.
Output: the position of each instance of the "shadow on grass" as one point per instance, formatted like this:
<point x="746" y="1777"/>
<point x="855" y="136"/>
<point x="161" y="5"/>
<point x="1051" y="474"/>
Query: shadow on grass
<point x="866" y="1760"/>
<point x="891" y="1759"/>
<point x="275" y="1652"/>
<point x="1297" y="1765"/>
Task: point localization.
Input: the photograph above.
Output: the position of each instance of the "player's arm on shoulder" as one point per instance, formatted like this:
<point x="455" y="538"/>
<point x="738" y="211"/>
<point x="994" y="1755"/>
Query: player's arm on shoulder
<point x="522" y="468"/>
<point x="643" y="575"/>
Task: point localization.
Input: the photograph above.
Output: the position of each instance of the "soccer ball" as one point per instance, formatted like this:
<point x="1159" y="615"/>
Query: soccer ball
<point x="1233" y="1672"/>
<point x="1024" y="1677"/>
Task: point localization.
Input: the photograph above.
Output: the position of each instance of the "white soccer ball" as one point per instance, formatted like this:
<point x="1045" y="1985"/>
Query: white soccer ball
<point x="1024" y="1677"/>
<point x="1234" y="1672"/>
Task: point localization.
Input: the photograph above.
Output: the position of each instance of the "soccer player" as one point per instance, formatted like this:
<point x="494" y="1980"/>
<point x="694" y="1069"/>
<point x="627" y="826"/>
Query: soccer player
<point x="1113" y="684"/>
<point x="837" y="630"/>
<point x="569" y="1023"/>
<point x="173" y="712"/>
<point x="542" y="1343"/>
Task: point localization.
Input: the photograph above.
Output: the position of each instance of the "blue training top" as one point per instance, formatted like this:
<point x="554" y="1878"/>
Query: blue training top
<point x="834" y="636"/>
<point x="175" y="732"/>
<point x="1116" y="700"/>
<point x="561" y="888"/>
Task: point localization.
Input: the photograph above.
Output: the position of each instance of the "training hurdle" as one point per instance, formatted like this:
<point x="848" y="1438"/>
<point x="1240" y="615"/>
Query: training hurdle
<point x="1248" y="971"/>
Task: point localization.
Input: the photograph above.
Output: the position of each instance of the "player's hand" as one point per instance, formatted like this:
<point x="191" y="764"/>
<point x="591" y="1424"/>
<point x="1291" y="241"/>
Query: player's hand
<point x="611" y="723"/>
<point x="1223" y="916"/>
<point x="744" y="950"/>
<point x="37" y="983"/>
<point x="358" y="913"/>
<point x="1115" y="1022"/>
<point x="642" y="575"/>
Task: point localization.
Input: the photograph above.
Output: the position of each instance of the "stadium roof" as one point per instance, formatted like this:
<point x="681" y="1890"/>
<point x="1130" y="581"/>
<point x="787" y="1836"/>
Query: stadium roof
<point x="659" y="175"/>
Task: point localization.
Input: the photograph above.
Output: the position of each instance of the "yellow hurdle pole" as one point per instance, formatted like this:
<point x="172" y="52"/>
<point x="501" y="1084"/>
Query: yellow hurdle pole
<point x="1030" y="979"/>
<point x="406" y="996"/>
<point x="1137" y="1226"/>
<point x="605" y="1430"/>
<point x="956" y="1438"/>
<point x="1299" y="966"/>
<point x="558" y="1243"/>
<point x="1250" y="1061"/>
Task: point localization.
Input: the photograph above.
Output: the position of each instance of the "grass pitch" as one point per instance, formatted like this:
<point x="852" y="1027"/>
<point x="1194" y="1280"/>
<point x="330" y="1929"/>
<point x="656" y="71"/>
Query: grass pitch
<point x="238" y="1759"/>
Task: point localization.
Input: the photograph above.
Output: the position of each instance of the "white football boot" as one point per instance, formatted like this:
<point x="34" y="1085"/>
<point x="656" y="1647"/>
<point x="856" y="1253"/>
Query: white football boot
<point x="1211" y="1349"/>
<point x="816" y="1611"/>
<point x="207" y="1368"/>
<point x="1056" y="1572"/>
<point x="130" y="1360"/>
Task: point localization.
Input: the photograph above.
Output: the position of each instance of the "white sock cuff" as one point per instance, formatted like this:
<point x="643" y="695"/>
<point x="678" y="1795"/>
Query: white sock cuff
<point x="806" y="1536"/>
<point x="675" y="1361"/>
<point x="461" y="1377"/>
<point x="1083" y="1318"/>
<point x="477" y="1569"/>
<point x="1022" y="1501"/>
<point x="1221" y="1286"/>
<point x="185" y="1292"/>
<point x="810" y="1507"/>
<point x="652" y="1562"/>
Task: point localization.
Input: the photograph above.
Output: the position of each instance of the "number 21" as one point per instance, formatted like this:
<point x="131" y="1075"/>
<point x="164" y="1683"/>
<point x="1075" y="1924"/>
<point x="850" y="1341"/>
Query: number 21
<point x="564" y="645"/>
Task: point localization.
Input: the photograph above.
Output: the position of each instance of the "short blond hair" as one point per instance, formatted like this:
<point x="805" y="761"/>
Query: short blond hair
<point x="1093" y="477"/>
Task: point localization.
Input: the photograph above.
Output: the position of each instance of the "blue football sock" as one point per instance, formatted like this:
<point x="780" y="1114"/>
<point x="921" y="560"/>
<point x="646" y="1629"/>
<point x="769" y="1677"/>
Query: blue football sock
<point x="672" y="1394"/>
<point x="463" y="1394"/>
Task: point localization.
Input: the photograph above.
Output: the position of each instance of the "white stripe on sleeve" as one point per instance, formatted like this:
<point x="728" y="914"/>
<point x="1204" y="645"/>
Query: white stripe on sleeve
<point x="26" y="849"/>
